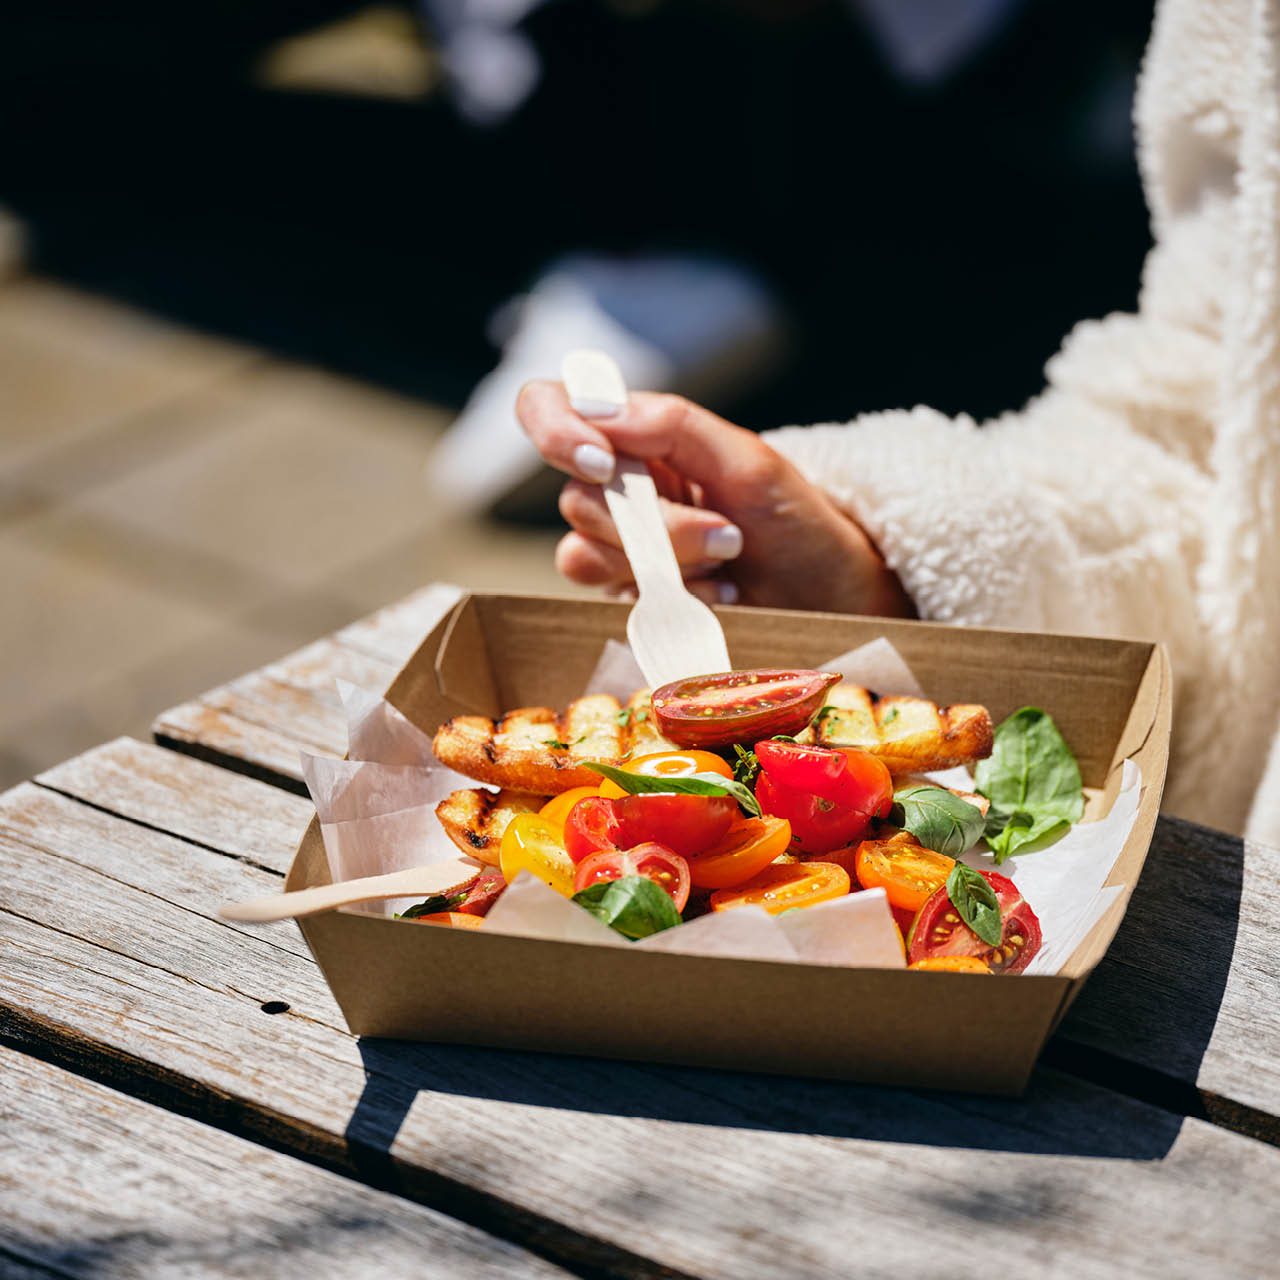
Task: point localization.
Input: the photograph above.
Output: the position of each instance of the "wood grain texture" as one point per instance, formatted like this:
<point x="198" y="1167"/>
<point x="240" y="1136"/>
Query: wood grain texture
<point x="258" y="723"/>
<point x="95" y="1183"/>
<point x="189" y="798"/>
<point x="1190" y="987"/>
<point x="109" y="960"/>
<point x="1212" y="1027"/>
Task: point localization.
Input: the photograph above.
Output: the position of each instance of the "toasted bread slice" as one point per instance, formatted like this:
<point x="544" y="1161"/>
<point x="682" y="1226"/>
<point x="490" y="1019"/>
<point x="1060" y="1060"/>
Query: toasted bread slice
<point x="911" y="735"/>
<point x="534" y="751"/>
<point x="476" y="820"/>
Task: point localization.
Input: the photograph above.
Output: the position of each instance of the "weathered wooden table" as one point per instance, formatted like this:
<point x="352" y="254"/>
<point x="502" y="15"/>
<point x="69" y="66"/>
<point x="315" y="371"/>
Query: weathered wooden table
<point x="180" y="1095"/>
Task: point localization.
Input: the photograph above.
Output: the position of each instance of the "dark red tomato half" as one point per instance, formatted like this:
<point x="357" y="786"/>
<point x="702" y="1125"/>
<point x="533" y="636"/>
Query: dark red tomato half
<point x="668" y="870"/>
<point x="817" y="825"/>
<point x="688" y="825"/>
<point x="482" y="893"/>
<point x="939" y="931"/>
<point x="739" y="706"/>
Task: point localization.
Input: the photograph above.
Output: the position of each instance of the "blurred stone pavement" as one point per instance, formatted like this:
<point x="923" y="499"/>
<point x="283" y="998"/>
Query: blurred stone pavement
<point x="176" y="509"/>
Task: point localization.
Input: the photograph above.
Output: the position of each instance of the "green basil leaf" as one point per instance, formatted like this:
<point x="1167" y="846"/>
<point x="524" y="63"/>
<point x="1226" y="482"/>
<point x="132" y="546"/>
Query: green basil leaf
<point x="633" y="905"/>
<point x="689" y="784"/>
<point x="975" y="902"/>
<point x="1033" y="783"/>
<point x="440" y="902"/>
<point x="940" y="821"/>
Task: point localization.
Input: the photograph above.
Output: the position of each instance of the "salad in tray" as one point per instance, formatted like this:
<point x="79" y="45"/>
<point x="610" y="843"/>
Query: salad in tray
<point x="782" y="789"/>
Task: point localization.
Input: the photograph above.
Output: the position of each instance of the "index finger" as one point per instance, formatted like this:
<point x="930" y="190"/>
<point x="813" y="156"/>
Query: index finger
<point x="568" y="441"/>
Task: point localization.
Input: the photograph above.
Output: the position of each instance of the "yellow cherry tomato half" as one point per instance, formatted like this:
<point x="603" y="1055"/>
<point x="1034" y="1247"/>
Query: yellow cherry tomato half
<point x="557" y="808"/>
<point x="667" y="764"/>
<point x="531" y="843"/>
<point x="781" y="887"/>
<point x="749" y="846"/>
<point x="951" y="964"/>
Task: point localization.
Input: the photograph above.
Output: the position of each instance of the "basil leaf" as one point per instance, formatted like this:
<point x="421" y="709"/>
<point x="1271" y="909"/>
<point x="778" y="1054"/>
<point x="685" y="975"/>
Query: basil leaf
<point x="440" y="902"/>
<point x="633" y="905"/>
<point x="975" y="902"/>
<point x="1033" y="783"/>
<point x="940" y="821"/>
<point x="688" y="784"/>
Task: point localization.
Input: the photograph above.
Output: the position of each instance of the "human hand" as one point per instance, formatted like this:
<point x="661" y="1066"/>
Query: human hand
<point x="744" y="523"/>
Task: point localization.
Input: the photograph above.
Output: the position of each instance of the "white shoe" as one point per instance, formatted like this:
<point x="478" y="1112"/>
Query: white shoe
<point x="485" y="454"/>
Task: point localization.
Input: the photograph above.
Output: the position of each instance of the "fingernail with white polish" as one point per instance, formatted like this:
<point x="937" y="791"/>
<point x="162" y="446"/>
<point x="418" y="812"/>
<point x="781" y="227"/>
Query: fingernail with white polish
<point x="727" y="592"/>
<point x="723" y="543"/>
<point x="593" y="462"/>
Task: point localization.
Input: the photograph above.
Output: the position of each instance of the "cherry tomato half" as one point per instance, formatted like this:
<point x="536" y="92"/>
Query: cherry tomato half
<point x="739" y="706"/>
<point x="817" y="825"/>
<point x="592" y="825"/>
<point x="779" y="888"/>
<point x="533" y="844"/>
<point x="669" y="871"/>
<point x="749" y="846"/>
<point x="951" y="964"/>
<point x="482" y="893"/>
<point x="908" y="872"/>
<point x="668" y="764"/>
<point x="843" y="775"/>
<point x="939" y="931"/>
<point x="684" y="824"/>
<point x="557" y="808"/>
<point x="453" y="919"/>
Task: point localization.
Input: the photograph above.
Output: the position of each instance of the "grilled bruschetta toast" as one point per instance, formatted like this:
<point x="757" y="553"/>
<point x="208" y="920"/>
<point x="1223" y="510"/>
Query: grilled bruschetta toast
<point x="911" y="735"/>
<point x="536" y="752"/>
<point x="475" y="820"/>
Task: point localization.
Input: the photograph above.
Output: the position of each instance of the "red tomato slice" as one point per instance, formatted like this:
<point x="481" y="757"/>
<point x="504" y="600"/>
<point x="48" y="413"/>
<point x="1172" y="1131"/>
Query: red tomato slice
<point x="817" y="825"/>
<point x="843" y="775"/>
<point x="669" y="871"/>
<point x="668" y="764"/>
<point x="739" y="706"/>
<point x="749" y="846"/>
<point x="779" y="888"/>
<point x="813" y="769"/>
<point x="939" y="931"/>
<point x="684" y="824"/>
<point x="591" y="825"/>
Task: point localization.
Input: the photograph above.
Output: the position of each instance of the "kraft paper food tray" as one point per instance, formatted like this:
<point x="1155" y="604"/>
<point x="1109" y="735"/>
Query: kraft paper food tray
<point x="1111" y="699"/>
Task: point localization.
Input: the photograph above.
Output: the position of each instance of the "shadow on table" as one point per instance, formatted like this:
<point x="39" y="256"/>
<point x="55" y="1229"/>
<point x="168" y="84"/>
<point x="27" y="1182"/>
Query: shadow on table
<point x="1145" y="1018"/>
<point x="1118" y="1079"/>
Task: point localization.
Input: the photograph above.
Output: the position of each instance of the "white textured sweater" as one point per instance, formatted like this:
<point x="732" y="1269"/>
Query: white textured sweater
<point x="1139" y="495"/>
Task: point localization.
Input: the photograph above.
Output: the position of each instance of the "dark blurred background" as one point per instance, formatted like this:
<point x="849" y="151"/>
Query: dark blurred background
<point x="286" y="264"/>
<point x="928" y="235"/>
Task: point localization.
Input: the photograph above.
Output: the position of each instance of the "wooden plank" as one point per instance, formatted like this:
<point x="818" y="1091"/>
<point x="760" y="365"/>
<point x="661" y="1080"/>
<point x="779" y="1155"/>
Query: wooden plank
<point x="1190" y="988"/>
<point x="1201" y="1037"/>
<point x="97" y="1183"/>
<point x="108" y="958"/>
<point x="257" y="723"/>
<point x="173" y="793"/>
<point x="395" y="632"/>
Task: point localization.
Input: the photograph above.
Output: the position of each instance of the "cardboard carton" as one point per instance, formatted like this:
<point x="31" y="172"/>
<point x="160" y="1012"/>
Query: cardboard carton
<point x="1110" y="698"/>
